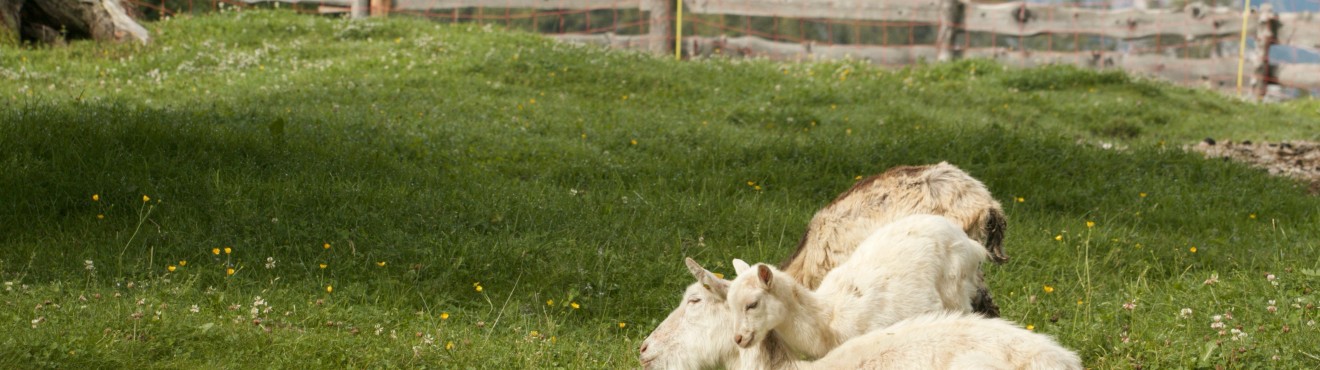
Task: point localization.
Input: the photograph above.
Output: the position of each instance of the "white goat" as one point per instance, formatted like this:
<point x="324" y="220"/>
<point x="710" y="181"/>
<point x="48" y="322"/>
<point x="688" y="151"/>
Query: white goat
<point x="930" y="341"/>
<point x="940" y="340"/>
<point x="915" y="265"/>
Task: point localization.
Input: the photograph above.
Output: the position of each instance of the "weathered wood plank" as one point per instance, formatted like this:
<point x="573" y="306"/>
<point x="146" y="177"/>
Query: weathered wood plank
<point x="1300" y="29"/>
<point x="926" y="11"/>
<point x="1298" y="75"/>
<point x="1011" y="19"/>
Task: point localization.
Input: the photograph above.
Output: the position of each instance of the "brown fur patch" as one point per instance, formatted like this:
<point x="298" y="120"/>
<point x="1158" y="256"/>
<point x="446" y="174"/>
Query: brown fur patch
<point x="995" y="227"/>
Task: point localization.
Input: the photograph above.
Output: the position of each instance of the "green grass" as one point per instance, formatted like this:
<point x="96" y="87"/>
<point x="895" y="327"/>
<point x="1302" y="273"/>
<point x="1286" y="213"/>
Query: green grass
<point x="460" y="156"/>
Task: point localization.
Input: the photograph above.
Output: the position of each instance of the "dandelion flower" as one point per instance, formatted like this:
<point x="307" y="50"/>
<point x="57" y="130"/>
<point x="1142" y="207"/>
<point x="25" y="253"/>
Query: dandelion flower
<point x="1049" y="289"/>
<point x="228" y="250"/>
<point x="1031" y="327"/>
<point x="479" y="288"/>
<point x="326" y="246"/>
<point x="1252" y="216"/>
<point x="1090" y="224"/>
<point x="634" y="141"/>
<point x="171" y="268"/>
<point x="96" y="197"/>
<point x="550" y="302"/>
<point x="1143" y="195"/>
<point x="229" y="271"/>
<point x="1192" y="249"/>
<point x="757" y="188"/>
<point x="1021" y="199"/>
<point x="100" y="216"/>
<point x="329" y="288"/>
<point x="575" y="305"/>
<point x="449" y="345"/>
<point x="183" y="262"/>
<point x="1079" y="302"/>
<point x="215" y="251"/>
<point x="145" y="198"/>
<point x="323" y="265"/>
<point x="1058" y="237"/>
<point x="380" y="264"/>
<point x="444" y="316"/>
<point x="622" y="324"/>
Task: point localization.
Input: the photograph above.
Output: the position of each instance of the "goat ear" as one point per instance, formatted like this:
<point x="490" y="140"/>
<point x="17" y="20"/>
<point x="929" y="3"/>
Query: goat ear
<point x="763" y="273"/>
<point x="740" y="266"/>
<point x="708" y="279"/>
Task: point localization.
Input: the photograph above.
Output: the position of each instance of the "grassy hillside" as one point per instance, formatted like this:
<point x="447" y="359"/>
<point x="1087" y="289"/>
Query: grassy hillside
<point x="265" y="189"/>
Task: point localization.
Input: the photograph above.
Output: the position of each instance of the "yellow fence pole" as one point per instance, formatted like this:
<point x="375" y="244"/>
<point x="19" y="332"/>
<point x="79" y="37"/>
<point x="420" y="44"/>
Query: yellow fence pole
<point x="1242" y="45"/>
<point x="678" y="31"/>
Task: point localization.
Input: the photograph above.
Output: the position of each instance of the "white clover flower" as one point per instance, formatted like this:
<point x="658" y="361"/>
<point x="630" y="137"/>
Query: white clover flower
<point x="194" y="309"/>
<point x="1185" y="313"/>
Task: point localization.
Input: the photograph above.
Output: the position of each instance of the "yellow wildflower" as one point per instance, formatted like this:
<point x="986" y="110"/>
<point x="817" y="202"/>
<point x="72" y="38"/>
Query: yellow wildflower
<point x="96" y="197"/>
<point x="1090" y="224"/>
<point x="858" y="177"/>
<point x="444" y="316"/>
<point x="634" y="141"/>
<point x="1031" y="327"/>
<point x="479" y="288"/>
<point x="329" y="288"/>
<point x="449" y="345"/>
<point x="145" y="198"/>
<point x="1058" y="237"/>
<point x="215" y="251"/>
<point x="1252" y="216"/>
<point x="575" y="305"/>
<point x="550" y="302"/>
<point x="622" y="324"/>
<point x="1021" y="200"/>
<point x="326" y="246"/>
<point x="100" y="216"/>
<point x="1049" y="289"/>
<point x="229" y="271"/>
<point x="1193" y="249"/>
<point x="381" y="263"/>
<point x="171" y="268"/>
<point x="228" y="250"/>
<point x="183" y="263"/>
<point x="1079" y="302"/>
<point x="1143" y="195"/>
<point x="322" y="265"/>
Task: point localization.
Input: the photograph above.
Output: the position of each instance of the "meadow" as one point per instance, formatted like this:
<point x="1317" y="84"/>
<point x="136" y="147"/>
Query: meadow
<point x="263" y="189"/>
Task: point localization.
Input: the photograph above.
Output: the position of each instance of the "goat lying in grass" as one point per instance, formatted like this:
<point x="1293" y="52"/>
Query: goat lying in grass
<point x="915" y="265"/>
<point x="703" y="322"/>
<point x="933" y="341"/>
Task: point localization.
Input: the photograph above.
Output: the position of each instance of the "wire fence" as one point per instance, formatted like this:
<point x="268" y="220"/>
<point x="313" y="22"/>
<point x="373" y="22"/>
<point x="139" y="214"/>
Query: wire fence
<point x="1189" y="43"/>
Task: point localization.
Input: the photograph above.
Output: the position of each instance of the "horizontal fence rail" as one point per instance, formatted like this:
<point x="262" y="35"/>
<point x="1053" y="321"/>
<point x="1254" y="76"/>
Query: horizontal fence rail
<point x="1195" y="45"/>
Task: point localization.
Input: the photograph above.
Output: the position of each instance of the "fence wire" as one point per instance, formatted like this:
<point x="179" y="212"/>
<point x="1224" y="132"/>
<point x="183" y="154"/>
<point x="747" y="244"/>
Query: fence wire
<point x="1203" y="60"/>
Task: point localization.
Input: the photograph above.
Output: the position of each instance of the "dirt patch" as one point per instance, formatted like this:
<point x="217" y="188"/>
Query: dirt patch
<point x="1296" y="159"/>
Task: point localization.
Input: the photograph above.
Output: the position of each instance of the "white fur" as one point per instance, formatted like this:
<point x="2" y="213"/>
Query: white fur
<point x="915" y="265"/>
<point x="933" y="341"/>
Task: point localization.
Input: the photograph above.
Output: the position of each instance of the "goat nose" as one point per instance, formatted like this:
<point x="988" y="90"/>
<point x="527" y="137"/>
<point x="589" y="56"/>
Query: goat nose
<point x="737" y="338"/>
<point x="645" y="345"/>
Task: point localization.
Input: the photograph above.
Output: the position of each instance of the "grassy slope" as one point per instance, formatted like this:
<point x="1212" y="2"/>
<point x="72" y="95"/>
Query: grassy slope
<point x="459" y="157"/>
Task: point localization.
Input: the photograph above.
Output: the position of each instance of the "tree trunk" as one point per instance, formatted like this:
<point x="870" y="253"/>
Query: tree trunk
<point x="56" y="21"/>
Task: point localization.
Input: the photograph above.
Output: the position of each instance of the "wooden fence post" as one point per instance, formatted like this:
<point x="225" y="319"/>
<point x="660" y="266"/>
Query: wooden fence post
<point x="662" y="25"/>
<point x="1266" y="27"/>
<point x="380" y="8"/>
<point x="358" y="9"/>
<point x="951" y="19"/>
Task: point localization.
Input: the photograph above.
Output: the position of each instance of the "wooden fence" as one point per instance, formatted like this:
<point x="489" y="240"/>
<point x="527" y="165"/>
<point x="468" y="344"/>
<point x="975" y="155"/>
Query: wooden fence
<point x="1014" y="33"/>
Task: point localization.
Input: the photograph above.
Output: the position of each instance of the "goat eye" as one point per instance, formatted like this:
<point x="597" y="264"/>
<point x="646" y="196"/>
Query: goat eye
<point x="752" y="305"/>
<point x="694" y="300"/>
